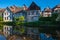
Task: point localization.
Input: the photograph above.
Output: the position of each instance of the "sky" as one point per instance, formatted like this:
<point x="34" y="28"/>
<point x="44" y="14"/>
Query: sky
<point x="41" y="3"/>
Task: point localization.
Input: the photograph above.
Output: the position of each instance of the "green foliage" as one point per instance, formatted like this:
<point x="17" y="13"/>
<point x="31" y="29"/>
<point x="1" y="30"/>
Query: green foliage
<point x="19" y="21"/>
<point x="7" y="23"/>
<point x="1" y="27"/>
<point x="1" y="18"/>
<point x="54" y="16"/>
<point x="42" y="24"/>
<point x="22" y="30"/>
<point x="19" y="29"/>
<point x="45" y="18"/>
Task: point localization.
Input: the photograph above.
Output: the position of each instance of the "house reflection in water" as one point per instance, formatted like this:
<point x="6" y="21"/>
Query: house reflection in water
<point x="7" y="30"/>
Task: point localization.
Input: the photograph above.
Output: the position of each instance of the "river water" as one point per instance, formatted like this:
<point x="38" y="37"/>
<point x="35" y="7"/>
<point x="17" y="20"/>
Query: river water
<point x="7" y="30"/>
<point x="2" y="37"/>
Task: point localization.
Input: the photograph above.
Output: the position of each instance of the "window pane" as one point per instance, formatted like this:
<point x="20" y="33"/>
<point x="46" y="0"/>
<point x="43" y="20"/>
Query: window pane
<point x="5" y="18"/>
<point x="5" y="13"/>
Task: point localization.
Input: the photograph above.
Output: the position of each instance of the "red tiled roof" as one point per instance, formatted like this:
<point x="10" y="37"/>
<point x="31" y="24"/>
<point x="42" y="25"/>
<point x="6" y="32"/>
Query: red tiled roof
<point x="57" y="6"/>
<point x="2" y="10"/>
<point x="15" y="9"/>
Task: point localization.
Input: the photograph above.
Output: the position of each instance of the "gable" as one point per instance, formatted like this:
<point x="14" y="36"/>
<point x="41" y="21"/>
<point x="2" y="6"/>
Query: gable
<point x="33" y="6"/>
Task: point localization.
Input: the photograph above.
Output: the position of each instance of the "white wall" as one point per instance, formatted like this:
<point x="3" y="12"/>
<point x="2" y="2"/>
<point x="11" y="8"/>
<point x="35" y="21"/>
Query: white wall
<point x="57" y="10"/>
<point x="45" y="14"/>
<point x="8" y="16"/>
<point x="33" y="15"/>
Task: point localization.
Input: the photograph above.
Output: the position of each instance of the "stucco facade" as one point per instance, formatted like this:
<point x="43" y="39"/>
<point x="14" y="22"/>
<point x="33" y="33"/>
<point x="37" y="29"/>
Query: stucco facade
<point x="47" y="12"/>
<point x="7" y="15"/>
<point x="33" y="15"/>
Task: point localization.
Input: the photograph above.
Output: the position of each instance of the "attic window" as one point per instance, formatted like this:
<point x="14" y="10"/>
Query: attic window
<point x="36" y="8"/>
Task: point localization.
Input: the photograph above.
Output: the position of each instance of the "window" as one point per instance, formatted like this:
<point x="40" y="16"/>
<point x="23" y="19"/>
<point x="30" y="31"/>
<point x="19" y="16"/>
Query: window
<point x="32" y="12"/>
<point x="29" y="13"/>
<point x="36" y="8"/>
<point x="35" y="18"/>
<point x="5" y="28"/>
<point x="36" y="12"/>
<point x="5" y="18"/>
<point x="5" y="32"/>
<point x="5" y="13"/>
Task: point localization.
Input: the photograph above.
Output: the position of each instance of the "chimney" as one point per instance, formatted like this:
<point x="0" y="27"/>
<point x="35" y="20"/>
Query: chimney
<point x="24" y="7"/>
<point x="14" y="7"/>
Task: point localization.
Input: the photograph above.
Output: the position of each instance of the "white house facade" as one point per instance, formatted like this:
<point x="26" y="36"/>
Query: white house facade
<point x="56" y="9"/>
<point x="7" y="15"/>
<point x="47" y="12"/>
<point x="33" y="13"/>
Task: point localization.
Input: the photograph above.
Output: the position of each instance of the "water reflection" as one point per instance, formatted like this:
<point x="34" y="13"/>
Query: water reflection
<point x="7" y="30"/>
<point x="2" y="37"/>
<point x="29" y="32"/>
<point x="45" y="36"/>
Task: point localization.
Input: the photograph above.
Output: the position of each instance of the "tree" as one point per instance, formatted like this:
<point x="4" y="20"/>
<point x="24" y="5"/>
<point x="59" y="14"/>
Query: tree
<point x="19" y="21"/>
<point x="21" y="18"/>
